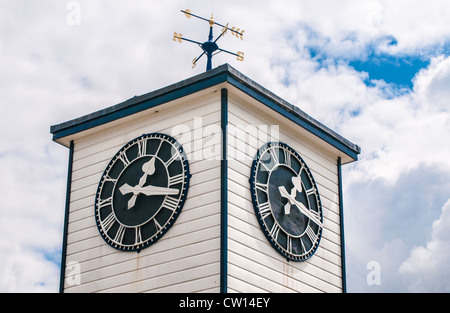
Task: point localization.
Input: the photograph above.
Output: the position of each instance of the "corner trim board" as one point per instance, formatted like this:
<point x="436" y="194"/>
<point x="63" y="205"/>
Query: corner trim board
<point x="341" y="221"/>
<point x="224" y="195"/>
<point x="66" y="219"/>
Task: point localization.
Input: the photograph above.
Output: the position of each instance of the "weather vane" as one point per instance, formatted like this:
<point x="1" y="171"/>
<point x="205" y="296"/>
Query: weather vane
<point x="210" y="47"/>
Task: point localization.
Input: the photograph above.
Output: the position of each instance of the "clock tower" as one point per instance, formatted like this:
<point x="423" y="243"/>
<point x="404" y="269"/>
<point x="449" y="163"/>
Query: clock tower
<point x="212" y="184"/>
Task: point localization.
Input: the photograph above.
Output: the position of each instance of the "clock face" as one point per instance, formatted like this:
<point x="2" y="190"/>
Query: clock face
<point x="142" y="192"/>
<point x="286" y="201"/>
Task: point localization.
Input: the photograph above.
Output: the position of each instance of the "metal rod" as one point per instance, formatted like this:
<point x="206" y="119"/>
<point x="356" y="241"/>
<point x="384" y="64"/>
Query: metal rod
<point x="199" y="43"/>
<point x="205" y="19"/>
<point x="228" y="52"/>
<point x="202" y="18"/>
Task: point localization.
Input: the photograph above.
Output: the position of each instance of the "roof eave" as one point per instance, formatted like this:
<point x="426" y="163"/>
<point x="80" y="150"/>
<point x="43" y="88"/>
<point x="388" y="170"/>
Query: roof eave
<point x="223" y="73"/>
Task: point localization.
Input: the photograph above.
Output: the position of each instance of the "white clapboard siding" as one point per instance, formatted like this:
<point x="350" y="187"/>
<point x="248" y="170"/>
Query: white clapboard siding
<point x="187" y="257"/>
<point x="253" y="265"/>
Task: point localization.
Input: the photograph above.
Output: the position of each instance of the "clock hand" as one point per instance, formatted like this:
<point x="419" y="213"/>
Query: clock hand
<point x="303" y="209"/>
<point x="297" y="182"/>
<point x="148" y="190"/>
<point x="148" y="169"/>
<point x="285" y="194"/>
<point x="308" y="213"/>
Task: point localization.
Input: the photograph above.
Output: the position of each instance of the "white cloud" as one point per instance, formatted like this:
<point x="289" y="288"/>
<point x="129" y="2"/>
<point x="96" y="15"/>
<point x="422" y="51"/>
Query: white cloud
<point x="25" y="270"/>
<point x="414" y="24"/>
<point x="384" y="221"/>
<point x="431" y="85"/>
<point x="426" y="269"/>
<point x="397" y="134"/>
<point x="32" y="209"/>
<point x="396" y="186"/>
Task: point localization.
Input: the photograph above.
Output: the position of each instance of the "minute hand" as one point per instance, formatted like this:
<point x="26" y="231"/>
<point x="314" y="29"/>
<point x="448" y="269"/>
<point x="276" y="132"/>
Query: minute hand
<point x="300" y="206"/>
<point x="148" y="190"/>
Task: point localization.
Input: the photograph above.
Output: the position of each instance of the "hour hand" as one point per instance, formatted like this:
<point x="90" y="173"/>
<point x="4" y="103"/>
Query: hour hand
<point x="285" y="194"/>
<point x="148" y="169"/>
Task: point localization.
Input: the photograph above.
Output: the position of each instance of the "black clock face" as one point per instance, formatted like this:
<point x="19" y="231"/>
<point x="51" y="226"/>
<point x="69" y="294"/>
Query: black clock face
<point x="142" y="192"/>
<point x="286" y="201"/>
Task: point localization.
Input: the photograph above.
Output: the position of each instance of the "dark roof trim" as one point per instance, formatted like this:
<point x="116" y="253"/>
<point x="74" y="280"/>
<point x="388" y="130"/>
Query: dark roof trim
<point x="139" y="103"/>
<point x="293" y="113"/>
<point x="223" y="73"/>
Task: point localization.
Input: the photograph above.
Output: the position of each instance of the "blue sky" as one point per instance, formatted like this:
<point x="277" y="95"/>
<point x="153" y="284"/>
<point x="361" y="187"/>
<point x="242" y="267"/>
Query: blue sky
<point x="399" y="71"/>
<point x="377" y="72"/>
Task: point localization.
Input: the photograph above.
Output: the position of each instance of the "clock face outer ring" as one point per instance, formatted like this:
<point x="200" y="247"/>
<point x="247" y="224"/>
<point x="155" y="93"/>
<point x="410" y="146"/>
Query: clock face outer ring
<point x="253" y="191"/>
<point x="184" y="191"/>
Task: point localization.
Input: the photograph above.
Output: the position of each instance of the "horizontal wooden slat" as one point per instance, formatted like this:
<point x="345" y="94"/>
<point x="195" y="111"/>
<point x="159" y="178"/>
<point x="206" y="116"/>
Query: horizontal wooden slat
<point x="238" y="116"/>
<point x="121" y="282"/>
<point x="247" y="224"/>
<point x="281" y="271"/>
<point x="154" y="265"/>
<point x="169" y="114"/>
<point x="107" y="149"/>
<point x="241" y="197"/>
<point x="83" y="240"/>
<point x="187" y="258"/>
<point x="254" y="264"/>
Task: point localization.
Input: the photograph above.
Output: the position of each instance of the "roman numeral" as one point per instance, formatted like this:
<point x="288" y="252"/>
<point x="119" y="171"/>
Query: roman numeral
<point x="138" y="235"/>
<point x="265" y="210"/>
<point x="303" y="245"/>
<point x="108" y="222"/>
<point x="177" y="179"/>
<point x="275" y="231"/>
<point x="311" y="191"/>
<point x="316" y="215"/>
<point x="104" y="202"/>
<point x="301" y="169"/>
<point x="158" y="226"/>
<point x="265" y="168"/>
<point x="170" y="203"/>
<point x="120" y="233"/>
<point x="142" y="148"/>
<point x="261" y="186"/>
<point x="123" y="157"/>
<point x="108" y="178"/>
<point x="311" y="234"/>
<point x="172" y="158"/>
<point x="289" y="244"/>
<point x="287" y="158"/>
<point x="274" y="155"/>
<point x="159" y="147"/>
